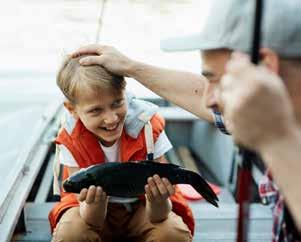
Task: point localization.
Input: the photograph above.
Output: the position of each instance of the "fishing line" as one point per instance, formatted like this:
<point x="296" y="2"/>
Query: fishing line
<point x="248" y="156"/>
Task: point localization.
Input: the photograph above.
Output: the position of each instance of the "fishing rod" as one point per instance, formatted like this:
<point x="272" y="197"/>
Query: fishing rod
<point x="245" y="178"/>
<point x="100" y="21"/>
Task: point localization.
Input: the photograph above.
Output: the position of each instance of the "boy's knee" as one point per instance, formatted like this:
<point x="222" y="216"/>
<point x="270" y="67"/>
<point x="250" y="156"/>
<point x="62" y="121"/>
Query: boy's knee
<point x="172" y="229"/>
<point x="74" y="230"/>
<point x="174" y="235"/>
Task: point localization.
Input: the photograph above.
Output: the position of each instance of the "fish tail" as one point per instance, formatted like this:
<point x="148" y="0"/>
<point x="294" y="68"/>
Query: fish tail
<point x="202" y="187"/>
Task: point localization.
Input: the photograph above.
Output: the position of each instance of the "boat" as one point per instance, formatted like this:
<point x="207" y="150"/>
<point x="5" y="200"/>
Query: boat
<point x="198" y="146"/>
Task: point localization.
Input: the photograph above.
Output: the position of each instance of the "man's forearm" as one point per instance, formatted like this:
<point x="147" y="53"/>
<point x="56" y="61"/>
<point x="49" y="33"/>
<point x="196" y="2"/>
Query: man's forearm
<point x="181" y="88"/>
<point x="284" y="159"/>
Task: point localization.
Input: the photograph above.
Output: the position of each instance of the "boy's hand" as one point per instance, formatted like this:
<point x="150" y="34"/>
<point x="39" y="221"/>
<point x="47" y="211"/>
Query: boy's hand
<point x="93" y="205"/>
<point x="106" y="56"/>
<point x="158" y="204"/>
<point x="158" y="190"/>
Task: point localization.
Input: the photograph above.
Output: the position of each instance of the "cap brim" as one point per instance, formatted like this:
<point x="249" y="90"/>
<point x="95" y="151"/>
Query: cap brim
<point x="189" y="43"/>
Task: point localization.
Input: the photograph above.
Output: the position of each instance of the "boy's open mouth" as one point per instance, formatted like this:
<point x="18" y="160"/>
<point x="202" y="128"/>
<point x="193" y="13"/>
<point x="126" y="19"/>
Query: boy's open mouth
<point x="111" y="128"/>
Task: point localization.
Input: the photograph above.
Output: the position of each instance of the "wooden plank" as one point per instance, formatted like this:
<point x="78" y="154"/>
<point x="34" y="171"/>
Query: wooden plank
<point x="228" y="211"/>
<point x="21" y="190"/>
<point x="225" y="196"/>
<point x="29" y="164"/>
<point x="212" y="224"/>
<point x="37" y="231"/>
<point x="202" y="210"/>
<point x="37" y="224"/>
<point x="187" y="159"/>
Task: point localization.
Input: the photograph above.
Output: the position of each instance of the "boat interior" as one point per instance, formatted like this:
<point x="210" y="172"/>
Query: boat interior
<point x="197" y="145"/>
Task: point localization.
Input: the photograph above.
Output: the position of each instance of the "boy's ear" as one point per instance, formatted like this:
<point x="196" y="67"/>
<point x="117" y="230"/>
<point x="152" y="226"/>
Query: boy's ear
<point x="71" y="108"/>
<point x="270" y="59"/>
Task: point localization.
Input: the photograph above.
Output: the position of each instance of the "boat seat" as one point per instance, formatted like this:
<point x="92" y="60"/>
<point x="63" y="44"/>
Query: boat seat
<point x="212" y="224"/>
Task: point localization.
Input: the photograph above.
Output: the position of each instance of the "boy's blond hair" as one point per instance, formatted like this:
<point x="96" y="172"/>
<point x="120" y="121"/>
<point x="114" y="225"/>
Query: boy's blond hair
<point x="73" y="77"/>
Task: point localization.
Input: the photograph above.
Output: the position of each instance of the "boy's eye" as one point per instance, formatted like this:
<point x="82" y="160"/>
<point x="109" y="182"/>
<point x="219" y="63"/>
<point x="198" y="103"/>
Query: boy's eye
<point x="118" y="103"/>
<point x="95" y="110"/>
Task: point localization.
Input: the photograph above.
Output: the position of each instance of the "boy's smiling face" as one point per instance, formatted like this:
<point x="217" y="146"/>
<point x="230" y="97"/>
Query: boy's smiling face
<point x="102" y="112"/>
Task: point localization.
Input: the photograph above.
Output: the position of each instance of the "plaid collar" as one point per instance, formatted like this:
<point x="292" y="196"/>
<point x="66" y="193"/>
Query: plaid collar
<point x="219" y="121"/>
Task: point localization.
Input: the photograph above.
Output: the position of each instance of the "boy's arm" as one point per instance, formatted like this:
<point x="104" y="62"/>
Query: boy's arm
<point x="181" y="88"/>
<point x="158" y="211"/>
<point x="93" y="203"/>
<point x="158" y="190"/>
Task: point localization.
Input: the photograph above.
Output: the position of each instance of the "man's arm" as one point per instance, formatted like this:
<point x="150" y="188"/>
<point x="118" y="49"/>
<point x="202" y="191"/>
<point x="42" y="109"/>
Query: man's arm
<point x="283" y="157"/>
<point x="181" y="88"/>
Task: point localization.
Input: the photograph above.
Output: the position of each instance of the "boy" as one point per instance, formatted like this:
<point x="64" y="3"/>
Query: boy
<point x="102" y="126"/>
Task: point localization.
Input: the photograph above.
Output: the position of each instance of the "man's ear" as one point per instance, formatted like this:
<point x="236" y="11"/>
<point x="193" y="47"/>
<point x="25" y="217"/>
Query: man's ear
<point x="270" y="59"/>
<point x="71" y="108"/>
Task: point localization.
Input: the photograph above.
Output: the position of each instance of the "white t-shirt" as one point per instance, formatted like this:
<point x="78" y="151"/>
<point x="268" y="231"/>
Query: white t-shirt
<point x="111" y="153"/>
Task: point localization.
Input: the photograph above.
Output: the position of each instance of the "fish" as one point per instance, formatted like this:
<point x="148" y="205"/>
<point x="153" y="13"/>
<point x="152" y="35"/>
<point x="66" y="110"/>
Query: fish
<point x="127" y="179"/>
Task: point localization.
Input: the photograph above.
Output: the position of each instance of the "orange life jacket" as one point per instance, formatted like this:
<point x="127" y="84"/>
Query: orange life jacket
<point x="85" y="148"/>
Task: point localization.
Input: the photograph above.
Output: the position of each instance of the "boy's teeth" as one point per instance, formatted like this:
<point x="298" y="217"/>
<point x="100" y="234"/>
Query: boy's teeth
<point x="112" y="127"/>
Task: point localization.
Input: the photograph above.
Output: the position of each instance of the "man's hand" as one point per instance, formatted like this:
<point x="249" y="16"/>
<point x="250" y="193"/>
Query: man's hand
<point x="93" y="205"/>
<point x="256" y="104"/>
<point x="157" y="192"/>
<point x="106" y="56"/>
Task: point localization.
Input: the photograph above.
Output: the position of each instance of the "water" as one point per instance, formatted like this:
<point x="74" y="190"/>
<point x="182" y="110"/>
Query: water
<point x="35" y="35"/>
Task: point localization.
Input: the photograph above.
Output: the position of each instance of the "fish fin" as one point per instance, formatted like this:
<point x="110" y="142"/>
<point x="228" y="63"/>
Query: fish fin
<point x="203" y="188"/>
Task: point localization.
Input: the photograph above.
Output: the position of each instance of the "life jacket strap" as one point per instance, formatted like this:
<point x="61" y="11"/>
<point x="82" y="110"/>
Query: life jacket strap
<point x="149" y="140"/>
<point x="56" y="171"/>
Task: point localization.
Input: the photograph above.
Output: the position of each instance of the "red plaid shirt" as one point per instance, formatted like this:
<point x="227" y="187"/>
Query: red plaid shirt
<point x="269" y="193"/>
<point x="271" y="196"/>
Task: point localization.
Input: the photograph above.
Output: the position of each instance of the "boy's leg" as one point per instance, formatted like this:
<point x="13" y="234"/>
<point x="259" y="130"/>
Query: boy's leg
<point x="72" y="228"/>
<point x="172" y="229"/>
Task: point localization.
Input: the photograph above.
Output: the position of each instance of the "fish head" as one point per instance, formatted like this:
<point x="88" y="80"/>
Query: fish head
<point x="78" y="181"/>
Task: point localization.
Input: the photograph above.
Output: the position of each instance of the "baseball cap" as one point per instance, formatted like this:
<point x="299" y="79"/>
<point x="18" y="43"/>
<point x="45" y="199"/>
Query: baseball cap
<point x="230" y="25"/>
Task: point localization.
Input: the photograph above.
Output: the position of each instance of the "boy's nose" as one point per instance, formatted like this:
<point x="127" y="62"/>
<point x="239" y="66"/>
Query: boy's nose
<point x="111" y="117"/>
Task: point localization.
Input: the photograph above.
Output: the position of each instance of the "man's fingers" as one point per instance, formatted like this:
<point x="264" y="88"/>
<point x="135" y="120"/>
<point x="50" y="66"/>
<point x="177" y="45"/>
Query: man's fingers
<point x="240" y="56"/>
<point x="238" y="65"/>
<point x="88" y="49"/>
<point x="226" y="82"/>
<point x="91" y="60"/>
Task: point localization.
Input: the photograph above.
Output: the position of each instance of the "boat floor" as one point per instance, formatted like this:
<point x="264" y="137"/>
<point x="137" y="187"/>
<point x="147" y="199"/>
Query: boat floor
<point x="212" y="224"/>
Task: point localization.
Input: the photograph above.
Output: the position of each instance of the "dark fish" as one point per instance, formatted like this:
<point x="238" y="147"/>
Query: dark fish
<point x="129" y="178"/>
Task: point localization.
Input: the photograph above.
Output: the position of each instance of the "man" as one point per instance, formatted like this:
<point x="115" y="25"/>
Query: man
<point x="229" y="28"/>
<point x="256" y="99"/>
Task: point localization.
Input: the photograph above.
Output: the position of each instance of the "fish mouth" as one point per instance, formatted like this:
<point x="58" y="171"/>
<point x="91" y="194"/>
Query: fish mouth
<point x="68" y="186"/>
